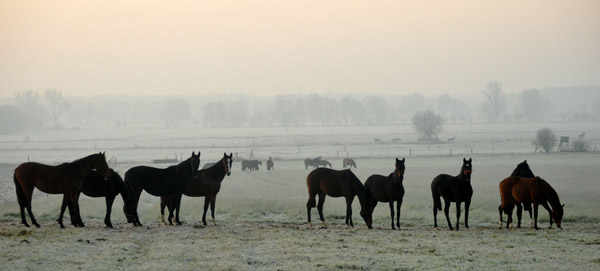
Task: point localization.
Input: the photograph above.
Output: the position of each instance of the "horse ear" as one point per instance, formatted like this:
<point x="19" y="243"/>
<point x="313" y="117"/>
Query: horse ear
<point x="464" y="160"/>
<point x="403" y="159"/>
<point x="470" y="159"/>
<point x="397" y="160"/>
<point x="225" y="154"/>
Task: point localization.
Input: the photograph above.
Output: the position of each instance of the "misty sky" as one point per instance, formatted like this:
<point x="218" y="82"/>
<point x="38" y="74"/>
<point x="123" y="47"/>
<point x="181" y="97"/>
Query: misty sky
<point x="85" y="48"/>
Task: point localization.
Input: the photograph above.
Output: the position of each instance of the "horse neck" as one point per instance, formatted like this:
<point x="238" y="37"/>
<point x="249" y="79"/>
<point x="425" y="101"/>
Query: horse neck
<point x="185" y="167"/>
<point x="358" y="188"/>
<point x="550" y="194"/>
<point x="396" y="178"/>
<point x="124" y="191"/>
<point x="82" y="165"/>
<point x="217" y="170"/>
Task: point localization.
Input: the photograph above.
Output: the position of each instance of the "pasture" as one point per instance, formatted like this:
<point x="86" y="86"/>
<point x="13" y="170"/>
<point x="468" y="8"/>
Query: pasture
<point x="261" y="216"/>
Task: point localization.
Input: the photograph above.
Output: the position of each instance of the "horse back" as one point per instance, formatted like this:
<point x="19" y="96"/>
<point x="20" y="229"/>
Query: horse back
<point x="333" y="183"/>
<point x="48" y="179"/>
<point x="377" y="187"/>
<point x="156" y="181"/>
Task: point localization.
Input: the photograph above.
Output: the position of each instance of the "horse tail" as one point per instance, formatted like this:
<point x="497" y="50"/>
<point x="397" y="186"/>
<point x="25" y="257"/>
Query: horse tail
<point x="20" y="192"/>
<point x="311" y="198"/>
<point x="435" y="193"/>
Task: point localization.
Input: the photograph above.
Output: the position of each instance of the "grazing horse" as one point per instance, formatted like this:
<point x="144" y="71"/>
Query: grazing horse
<point x="171" y="181"/>
<point x="530" y="190"/>
<point x="522" y="170"/>
<point x="336" y="183"/>
<point x="96" y="186"/>
<point x="453" y="189"/>
<point x="66" y="178"/>
<point x="206" y="183"/>
<point x="315" y="163"/>
<point x="270" y="164"/>
<point x="349" y="162"/>
<point x="250" y="165"/>
<point x="388" y="189"/>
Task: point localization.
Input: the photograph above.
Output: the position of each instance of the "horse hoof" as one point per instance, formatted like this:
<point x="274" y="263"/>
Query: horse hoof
<point x="37" y="225"/>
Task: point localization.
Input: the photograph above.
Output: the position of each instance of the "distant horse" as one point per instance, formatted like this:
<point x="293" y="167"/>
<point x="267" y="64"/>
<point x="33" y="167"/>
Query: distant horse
<point x="388" y="189"/>
<point x="396" y="140"/>
<point x="336" y="183"/>
<point x="315" y="163"/>
<point x="270" y="164"/>
<point x="530" y="190"/>
<point x="66" y="178"/>
<point x="250" y="165"/>
<point x="96" y="186"/>
<point x="206" y="183"/>
<point x="208" y="165"/>
<point x="453" y="189"/>
<point x="522" y="170"/>
<point x="349" y="162"/>
<point x="451" y="139"/>
<point x="171" y="181"/>
<point x="581" y="136"/>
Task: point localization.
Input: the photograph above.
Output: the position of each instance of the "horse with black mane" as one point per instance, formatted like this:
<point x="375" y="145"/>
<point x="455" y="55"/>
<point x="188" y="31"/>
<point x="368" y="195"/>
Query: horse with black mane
<point x="453" y="189"/>
<point x="206" y="183"/>
<point x="171" y="181"/>
<point x="66" y="178"/>
<point x="388" y="189"/>
<point x="522" y="170"/>
<point x="316" y="162"/>
<point x="348" y="162"/>
<point x="529" y="190"/>
<point x="96" y="186"/>
<point x="336" y="183"/>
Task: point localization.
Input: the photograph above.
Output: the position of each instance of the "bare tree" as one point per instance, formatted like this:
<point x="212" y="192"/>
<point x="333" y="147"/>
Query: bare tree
<point x="428" y="124"/>
<point x="533" y="105"/>
<point x="28" y="101"/>
<point x="494" y="103"/>
<point x="57" y="104"/>
<point x="215" y="114"/>
<point x="546" y="138"/>
<point x="175" y="110"/>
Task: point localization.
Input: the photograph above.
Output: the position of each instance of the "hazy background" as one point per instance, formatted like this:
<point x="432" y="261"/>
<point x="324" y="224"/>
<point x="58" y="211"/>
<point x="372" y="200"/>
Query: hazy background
<point x="265" y="48"/>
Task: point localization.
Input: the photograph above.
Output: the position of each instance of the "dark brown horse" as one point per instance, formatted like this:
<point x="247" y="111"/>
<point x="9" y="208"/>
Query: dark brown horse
<point x="522" y="170"/>
<point x="96" y="186"/>
<point x="336" y="183"/>
<point x="66" y="178"/>
<point x="171" y="181"/>
<point x="316" y="162"/>
<point x="206" y="183"/>
<point x="349" y="162"/>
<point x="387" y="189"/>
<point x="270" y="164"/>
<point x="453" y="189"/>
<point x="527" y="191"/>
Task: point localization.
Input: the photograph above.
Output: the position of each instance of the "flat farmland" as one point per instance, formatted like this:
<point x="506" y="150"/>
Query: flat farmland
<point x="261" y="216"/>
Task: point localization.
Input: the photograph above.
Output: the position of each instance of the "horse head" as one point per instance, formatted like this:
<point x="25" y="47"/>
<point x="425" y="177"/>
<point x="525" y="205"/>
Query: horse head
<point x="467" y="169"/>
<point x="399" y="171"/>
<point x="557" y="214"/>
<point x="101" y="166"/>
<point x="227" y="160"/>
<point x="367" y="214"/>
<point x="195" y="162"/>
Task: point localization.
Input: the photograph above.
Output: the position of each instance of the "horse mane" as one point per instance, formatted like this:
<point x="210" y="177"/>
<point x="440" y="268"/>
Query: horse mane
<point x="78" y="161"/>
<point x="523" y="170"/>
<point x="216" y="170"/>
<point x="549" y="192"/>
<point x="357" y="186"/>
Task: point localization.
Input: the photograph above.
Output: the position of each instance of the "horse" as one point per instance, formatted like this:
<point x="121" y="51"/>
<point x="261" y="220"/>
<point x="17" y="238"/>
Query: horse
<point x="522" y="170"/>
<point x="387" y="189"/>
<point x="96" y="186"/>
<point x="206" y="183"/>
<point x="250" y="165"/>
<point x="451" y="139"/>
<point x="336" y="183"/>
<point x="530" y="190"/>
<point x="453" y="189"/>
<point x="66" y="178"/>
<point x="171" y="181"/>
<point x="581" y="136"/>
<point x="349" y="162"/>
<point x="315" y="163"/>
<point x="270" y="164"/>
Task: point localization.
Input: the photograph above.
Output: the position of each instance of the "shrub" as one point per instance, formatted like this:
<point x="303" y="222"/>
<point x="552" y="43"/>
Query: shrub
<point x="546" y="138"/>
<point x="580" y="146"/>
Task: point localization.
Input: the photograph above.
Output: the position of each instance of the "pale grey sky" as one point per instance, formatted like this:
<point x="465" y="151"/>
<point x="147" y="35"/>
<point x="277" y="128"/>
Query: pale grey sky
<point x="136" y="47"/>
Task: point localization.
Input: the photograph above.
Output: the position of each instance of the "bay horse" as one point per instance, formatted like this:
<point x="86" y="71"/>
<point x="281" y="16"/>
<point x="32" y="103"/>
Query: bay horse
<point x="171" y="181"/>
<point x="96" y="186"/>
<point x="530" y="190"/>
<point x="66" y="178"/>
<point x="206" y="183"/>
<point x="453" y="189"/>
<point x="270" y="164"/>
<point x="522" y="170"/>
<point x="349" y="162"/>
<point x="336" y="183"/>
<point x="316" y="162"/>
<point x="388" y="189"/>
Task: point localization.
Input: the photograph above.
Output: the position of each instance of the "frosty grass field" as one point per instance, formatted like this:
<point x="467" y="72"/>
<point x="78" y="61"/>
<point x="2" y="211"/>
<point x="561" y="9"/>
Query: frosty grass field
<point x="261" y="216"/>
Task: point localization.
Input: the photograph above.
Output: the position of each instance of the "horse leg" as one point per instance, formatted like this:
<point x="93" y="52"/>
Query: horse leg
<point x="530" y="215"/>
<point x="109" y="203"/>
<point x="519" y="214"/>
<point x="28" y="197"/>
<point x="435" y="211"/>
<point x="392" y="213"/>
<point x="535" y="215"/>
<point x="207" y="203"/>
<point x="163" y="204"/>
<point x="447" y="213"/>
<point x="213" y="200"/>
<point x="309" y="205"/>
<point x="177" y="207"/>
<point x="320" y="208"/>
<point x="21" y="199"/>
<point x="467" y="205"/>
<point x="349" y="211"/>
<point x="500" y="209"/>
<point x="75" y="201"/>
<point x="65" y="201"/>
<point x="457" y="214"/>
<point x="545" y="205"/>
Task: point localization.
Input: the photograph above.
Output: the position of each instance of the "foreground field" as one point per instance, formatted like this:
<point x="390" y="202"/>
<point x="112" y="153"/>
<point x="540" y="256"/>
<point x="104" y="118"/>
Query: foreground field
<point x="261" y="225"/>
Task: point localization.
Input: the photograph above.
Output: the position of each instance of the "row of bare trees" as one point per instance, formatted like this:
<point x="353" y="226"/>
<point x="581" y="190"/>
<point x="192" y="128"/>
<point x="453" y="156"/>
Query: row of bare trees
<point x="532" y="105"/>
<point x="31" y="111"/>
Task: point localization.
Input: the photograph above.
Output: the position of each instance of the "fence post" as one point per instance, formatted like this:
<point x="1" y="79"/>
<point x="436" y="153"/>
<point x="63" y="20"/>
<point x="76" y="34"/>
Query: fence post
<point x="450" y="152"/>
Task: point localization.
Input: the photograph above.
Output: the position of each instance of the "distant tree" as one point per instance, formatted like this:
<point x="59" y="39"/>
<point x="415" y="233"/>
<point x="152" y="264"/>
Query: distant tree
<point x="494" y="103"/>
<point x="28" y="101"/>
<point x="175" y="110"/>
<point x="238" y="112"/>
<point x="214" y="113"/>
<point x="533" y="105"/>
<point x="454" y="109"/>
<point x="352" y="111"/>
<point x="428" y="124"/>
<point x="57" y="104"/>
<point x="11" y="119"/>
<point x="284" y="110"/>
<point x="378" y="109"/>
<point x="546" y="138"/>
<point x="411" y="104"/>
